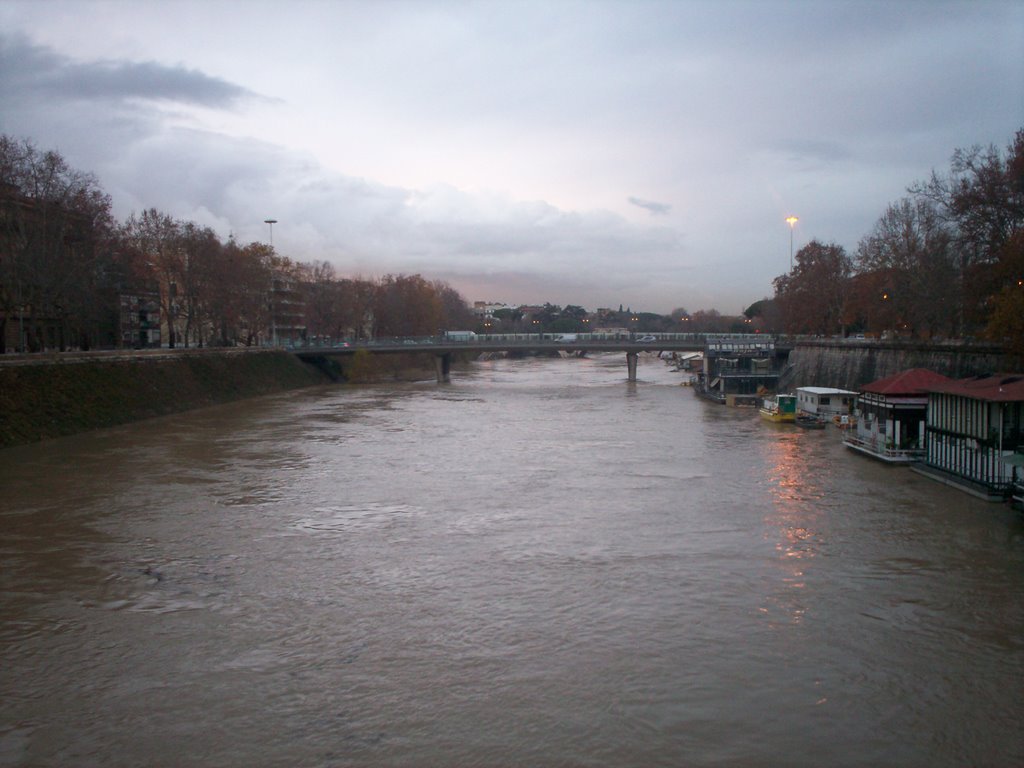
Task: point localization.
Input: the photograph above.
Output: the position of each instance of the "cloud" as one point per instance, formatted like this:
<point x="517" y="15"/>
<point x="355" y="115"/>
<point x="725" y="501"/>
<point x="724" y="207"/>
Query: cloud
<point x="498" y="145"/>
<point x="656" y="209"/>
<point x="481" y="242"/>
<point x="34" y="70"/>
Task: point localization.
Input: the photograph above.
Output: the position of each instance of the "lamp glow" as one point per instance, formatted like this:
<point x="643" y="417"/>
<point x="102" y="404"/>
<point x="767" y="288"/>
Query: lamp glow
<point x="791" y="220"/>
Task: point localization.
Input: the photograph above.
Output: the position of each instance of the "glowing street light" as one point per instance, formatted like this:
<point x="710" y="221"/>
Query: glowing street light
<point x="792" y="220"/>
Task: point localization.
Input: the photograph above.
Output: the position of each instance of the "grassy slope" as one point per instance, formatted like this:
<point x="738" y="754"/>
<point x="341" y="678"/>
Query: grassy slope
<point x="55" y="399"/>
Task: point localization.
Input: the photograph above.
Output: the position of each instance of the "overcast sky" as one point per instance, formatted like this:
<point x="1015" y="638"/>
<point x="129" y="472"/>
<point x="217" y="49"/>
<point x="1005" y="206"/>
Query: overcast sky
<point x="593" y="153"/>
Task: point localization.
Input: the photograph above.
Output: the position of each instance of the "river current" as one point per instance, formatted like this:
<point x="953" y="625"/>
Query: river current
<point x="539" y="564"/>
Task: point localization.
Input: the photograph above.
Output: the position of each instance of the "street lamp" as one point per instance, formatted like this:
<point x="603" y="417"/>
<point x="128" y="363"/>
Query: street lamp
<point x="273" y="318"/>
<point x="792" y="220"/>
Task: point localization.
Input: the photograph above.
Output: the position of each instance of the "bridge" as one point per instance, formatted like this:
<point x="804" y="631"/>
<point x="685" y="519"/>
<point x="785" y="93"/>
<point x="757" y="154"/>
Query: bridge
<point x="445" y="346"/>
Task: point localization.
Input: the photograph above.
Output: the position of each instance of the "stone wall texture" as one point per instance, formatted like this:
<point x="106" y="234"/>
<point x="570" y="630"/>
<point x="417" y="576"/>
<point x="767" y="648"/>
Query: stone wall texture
<point x="850" y="365"/>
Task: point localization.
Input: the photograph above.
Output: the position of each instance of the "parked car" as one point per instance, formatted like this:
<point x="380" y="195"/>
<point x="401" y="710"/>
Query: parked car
<point x="645" y="339"/>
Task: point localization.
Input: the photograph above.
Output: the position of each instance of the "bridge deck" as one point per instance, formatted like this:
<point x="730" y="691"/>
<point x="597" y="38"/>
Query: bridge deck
<point x="668" y="342"/>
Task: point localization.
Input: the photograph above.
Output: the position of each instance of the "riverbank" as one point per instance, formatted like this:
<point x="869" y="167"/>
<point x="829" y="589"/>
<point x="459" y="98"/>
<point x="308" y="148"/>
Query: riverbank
<point x="61" y="395"/>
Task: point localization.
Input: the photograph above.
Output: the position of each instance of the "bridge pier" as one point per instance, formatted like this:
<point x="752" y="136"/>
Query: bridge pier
<point x="631" y="358"/>
<point x="443" y="366"/>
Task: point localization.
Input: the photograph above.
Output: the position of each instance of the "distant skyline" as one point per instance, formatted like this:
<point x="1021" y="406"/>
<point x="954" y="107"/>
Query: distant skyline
<point x="593" y="153"/>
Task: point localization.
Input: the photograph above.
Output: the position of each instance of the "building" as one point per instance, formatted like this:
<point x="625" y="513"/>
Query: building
<point x="890" y="416"/>
<point x="287" y="311"/>
<point x="484" y="310"/>
<point x="974" y="433"/>
<point x="140" y="320"/>
<point x="738" y="368"/>
<point x="825" y="401"/>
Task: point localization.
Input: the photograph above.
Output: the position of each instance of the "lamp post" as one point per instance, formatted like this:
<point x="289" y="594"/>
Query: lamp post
<point x="792" y="220"/>
<point x="273" y="308"/>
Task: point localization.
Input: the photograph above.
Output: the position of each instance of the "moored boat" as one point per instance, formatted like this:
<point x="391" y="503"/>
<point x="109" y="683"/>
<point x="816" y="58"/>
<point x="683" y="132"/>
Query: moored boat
<point x="779" y="408"/>
<point x="810" y="421"/>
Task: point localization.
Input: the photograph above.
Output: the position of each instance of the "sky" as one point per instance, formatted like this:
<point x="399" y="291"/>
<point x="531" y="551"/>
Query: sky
<point x="600" y="153"/>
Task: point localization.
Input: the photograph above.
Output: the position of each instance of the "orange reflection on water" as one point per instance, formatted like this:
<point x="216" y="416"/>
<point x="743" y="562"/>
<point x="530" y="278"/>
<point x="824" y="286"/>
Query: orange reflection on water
<point x="793" y="522"/>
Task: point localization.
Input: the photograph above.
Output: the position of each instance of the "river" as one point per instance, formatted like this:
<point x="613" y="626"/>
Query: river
<point x="539" y="564"/>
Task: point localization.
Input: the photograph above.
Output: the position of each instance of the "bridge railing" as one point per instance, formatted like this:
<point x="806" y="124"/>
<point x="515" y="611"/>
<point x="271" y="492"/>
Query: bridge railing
<point x="722" y="341"/>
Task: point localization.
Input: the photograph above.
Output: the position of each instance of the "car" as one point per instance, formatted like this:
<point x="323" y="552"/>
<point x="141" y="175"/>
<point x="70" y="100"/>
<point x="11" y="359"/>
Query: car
<point x="645" y="339"/>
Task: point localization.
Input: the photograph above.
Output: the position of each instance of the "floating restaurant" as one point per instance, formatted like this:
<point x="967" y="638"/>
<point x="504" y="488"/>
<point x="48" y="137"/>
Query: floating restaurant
<point x="737" y="367"/>
<point x="974" y="434"/>
<point x="890" y="416"/>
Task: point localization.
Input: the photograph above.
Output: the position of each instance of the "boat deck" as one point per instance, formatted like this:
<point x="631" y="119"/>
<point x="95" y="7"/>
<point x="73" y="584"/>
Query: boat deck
<point x="890" y="455"/>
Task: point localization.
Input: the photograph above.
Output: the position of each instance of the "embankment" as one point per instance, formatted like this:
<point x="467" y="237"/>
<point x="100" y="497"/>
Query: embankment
<point x="64" y="394"/>
<point x="850" y="365"/>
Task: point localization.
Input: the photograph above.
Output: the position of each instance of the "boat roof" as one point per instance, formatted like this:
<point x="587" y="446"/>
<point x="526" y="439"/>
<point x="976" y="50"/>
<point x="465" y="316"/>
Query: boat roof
<point x="825" y="391"/>
<point x="995" y="387"/>
<point x="913" y="381"/>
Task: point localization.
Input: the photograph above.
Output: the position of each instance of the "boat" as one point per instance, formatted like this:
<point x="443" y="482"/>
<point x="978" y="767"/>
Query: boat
<point x="779" y="409"/>
<point x="810" y="421"/>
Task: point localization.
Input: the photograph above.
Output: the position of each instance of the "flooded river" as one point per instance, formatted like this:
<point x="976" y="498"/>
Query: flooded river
<point x="537" y="565"/>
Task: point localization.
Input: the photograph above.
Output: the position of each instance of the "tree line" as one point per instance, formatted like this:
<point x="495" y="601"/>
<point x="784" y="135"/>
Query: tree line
<point x="66" y="265"/>
<point x="946" y="261"/>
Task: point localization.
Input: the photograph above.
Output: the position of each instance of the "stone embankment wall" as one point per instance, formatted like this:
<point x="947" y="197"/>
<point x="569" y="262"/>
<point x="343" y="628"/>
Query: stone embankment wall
<point x="850" y="365"/>
<point x="43" y="397"/>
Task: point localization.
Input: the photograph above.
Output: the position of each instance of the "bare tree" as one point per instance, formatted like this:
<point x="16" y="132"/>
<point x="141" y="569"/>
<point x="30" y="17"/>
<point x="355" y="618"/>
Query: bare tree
<point x="154" y="241"/>
<point x="982" y="199"/>
<point x="910" y="253"/>
<point x="56" y="226"/>
<point x="812" y="297"/>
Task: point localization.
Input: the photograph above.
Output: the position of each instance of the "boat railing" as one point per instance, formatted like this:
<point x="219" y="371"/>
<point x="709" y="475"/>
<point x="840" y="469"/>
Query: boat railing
<point x="882" y="450"/>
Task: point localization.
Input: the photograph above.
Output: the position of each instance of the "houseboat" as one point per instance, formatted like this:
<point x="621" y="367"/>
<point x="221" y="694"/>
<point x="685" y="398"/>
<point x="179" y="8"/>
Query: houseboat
<point x="825" y="402"/>
<point x="890" y="416"/>
<point x="974" y="435"/>
<point x="779" y="408"/>
<point x="736" y="367"/>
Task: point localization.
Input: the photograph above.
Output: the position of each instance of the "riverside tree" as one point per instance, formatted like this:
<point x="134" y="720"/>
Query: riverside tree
<point x="911" y="272"/>
<point x="982" y="199"/>
<point x="946" y="261"/>
<point x="54" y="255"/>
<point x="812" y="298"/>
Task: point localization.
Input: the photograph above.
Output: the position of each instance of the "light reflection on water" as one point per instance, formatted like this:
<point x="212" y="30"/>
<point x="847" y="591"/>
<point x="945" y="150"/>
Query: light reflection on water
<point x="539" y="564"/>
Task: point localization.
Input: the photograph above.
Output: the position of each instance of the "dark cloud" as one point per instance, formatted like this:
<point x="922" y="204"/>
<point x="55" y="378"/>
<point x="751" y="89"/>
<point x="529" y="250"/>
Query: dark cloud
<point x="32" y="70"/>
<point x="656" y="209"/>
